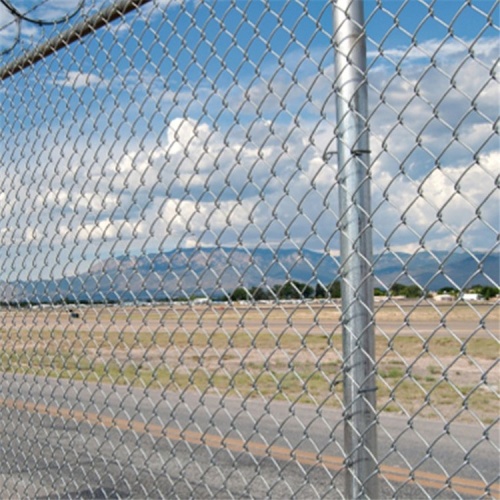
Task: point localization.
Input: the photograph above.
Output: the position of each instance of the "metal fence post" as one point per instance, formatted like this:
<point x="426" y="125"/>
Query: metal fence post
<point x="356" y="250"/>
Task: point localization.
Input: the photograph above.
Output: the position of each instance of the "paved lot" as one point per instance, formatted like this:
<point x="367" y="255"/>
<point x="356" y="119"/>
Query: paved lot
<point x="70" y="439"/>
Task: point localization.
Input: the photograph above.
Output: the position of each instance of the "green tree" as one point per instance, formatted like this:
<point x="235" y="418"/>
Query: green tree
<point x="240" y="293"/>
<point x="293" y="290"/>
<point x="486" y="291"/>
<point x="409" y="291"/>
<point x="489" y="292"/>
<point x="259" y="293"/>
<point x="413" y="292"/>
<point x="320" y="292"/>
<point x="398" y="289"/>
<point x="335" y="289"/>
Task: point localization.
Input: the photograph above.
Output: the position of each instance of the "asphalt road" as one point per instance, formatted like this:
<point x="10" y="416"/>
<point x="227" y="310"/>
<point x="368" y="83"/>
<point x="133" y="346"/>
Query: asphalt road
<point x="67" y="439"/>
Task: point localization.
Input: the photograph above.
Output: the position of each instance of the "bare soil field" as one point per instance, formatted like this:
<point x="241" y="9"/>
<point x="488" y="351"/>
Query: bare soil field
<point x="434" y="360"/>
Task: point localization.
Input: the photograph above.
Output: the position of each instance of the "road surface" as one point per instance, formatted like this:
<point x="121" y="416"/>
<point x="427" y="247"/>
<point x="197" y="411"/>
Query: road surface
<point x="73" y="439"/>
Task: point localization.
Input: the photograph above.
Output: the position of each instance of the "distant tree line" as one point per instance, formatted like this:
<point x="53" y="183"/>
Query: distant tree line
<point x="290" y="290"/>
<point x="25" y="303"/>
<point x="295" y="290"/>
<point x="400" y="290"/>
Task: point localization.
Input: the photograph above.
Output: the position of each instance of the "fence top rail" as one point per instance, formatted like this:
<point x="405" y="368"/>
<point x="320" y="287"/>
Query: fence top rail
<point x="71" y="35"/>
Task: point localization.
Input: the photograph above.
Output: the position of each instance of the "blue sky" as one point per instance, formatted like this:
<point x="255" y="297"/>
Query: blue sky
<point x="205" y="123"/>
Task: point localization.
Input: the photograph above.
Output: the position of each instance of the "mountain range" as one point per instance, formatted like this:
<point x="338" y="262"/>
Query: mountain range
<point x="214" y="272"/>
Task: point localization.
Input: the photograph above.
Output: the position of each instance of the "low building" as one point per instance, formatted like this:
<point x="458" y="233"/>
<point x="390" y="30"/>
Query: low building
<point x="472" y="296"/>
<point x="443" y="297"/>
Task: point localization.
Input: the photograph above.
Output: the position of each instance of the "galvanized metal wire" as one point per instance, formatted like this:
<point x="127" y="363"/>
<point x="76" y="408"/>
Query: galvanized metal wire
<point x="249" y="249"/>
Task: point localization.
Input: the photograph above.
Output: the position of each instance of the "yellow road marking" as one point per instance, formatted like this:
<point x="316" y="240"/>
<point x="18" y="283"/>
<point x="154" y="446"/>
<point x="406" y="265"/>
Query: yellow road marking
<point x="397" y="474"/>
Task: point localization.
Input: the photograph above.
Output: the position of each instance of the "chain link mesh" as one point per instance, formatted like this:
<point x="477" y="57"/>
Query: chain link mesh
<point x="170" y="263"/>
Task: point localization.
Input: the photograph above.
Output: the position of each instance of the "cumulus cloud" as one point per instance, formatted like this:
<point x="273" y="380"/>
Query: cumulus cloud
<point x="77" y="79"/>
<point x="159" y="165"/>
<point x="9" y="30"/>
<point x="453" y="204"/>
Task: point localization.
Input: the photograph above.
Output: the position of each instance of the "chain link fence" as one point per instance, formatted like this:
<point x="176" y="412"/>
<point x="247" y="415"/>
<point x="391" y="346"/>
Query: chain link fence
<point x="249" y="249"/>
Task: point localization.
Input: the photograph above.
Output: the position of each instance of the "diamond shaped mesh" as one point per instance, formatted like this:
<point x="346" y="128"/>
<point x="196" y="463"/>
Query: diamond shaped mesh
<point x="197" y="296"/>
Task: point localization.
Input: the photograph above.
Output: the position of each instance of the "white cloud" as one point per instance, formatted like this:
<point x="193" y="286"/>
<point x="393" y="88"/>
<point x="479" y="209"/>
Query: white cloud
<point x="77" y="79"/>
<point x="200" y="164"/>
<point x="9" y="30"/>
<point x="446" y="207"/>
<point x="107" y="230"/>
<point x="453" y="49"/>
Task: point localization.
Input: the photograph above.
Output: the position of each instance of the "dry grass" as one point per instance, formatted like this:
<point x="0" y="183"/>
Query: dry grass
<point x="292" y="353"/>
